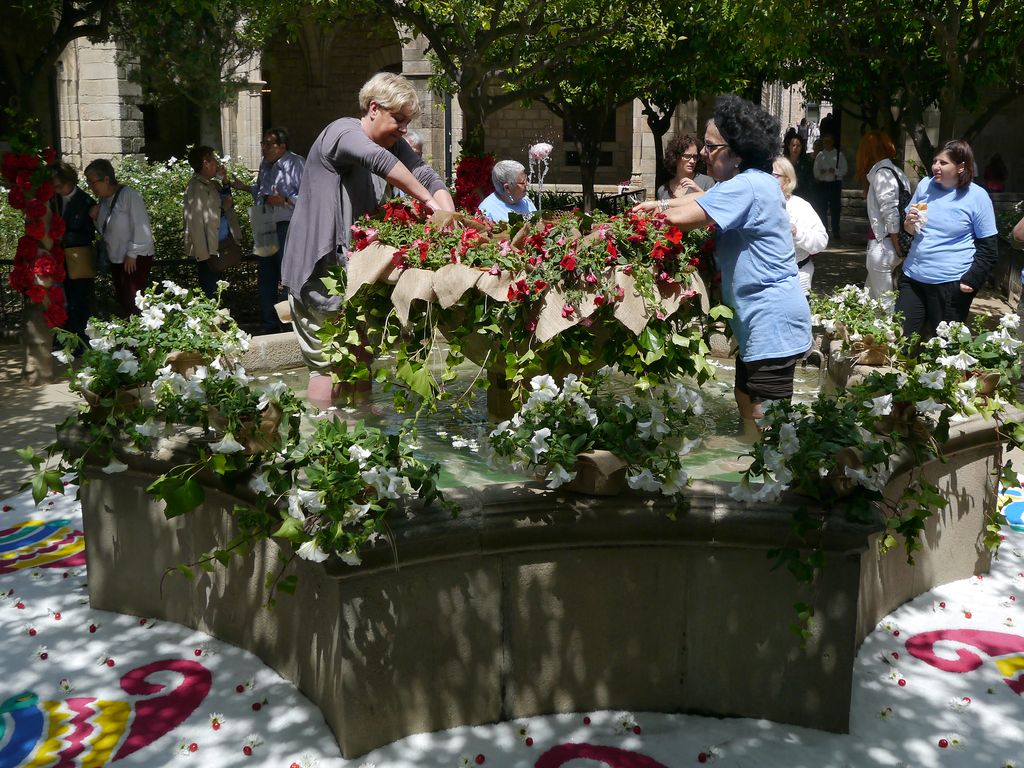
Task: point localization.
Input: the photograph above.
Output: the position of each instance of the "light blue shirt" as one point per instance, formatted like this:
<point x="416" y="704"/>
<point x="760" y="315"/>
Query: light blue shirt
<point x="944" y="249"/>
<point x="754" y="250"/>
<point x="496" y="209"/>
<point x="283" y="177"/>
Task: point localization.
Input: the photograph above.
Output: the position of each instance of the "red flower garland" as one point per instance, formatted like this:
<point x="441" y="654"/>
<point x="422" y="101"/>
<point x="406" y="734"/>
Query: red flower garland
<point x="38" y="264"/>
<point x="473" y="181"/>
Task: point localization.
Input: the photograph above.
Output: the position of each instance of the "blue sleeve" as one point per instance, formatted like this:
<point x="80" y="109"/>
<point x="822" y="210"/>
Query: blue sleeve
<point x="983" y="215"/>
<point x="728" y="203"/>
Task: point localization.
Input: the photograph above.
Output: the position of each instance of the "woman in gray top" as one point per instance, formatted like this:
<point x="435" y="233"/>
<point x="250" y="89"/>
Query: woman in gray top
<point x="681" y="159"/>
<point x="346" y="175"/>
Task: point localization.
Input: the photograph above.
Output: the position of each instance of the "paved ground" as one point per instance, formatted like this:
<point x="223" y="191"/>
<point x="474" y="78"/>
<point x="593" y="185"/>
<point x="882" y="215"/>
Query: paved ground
<point x="28" y="414"/>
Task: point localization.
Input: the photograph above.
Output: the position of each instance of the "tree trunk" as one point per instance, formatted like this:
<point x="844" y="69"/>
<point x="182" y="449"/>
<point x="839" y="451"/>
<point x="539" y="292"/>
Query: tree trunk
<point x="659" y="119"/>
<point x="473" y="132"/>
<point x="209" y="127"/>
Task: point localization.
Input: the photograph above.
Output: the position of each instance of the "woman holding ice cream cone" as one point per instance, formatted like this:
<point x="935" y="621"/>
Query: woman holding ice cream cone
<point x="954" y="248"/>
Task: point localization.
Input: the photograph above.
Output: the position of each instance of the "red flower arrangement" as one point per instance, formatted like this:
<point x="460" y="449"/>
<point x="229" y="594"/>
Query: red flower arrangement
<point x="473" y="181"/>
<point x="38" y="263"/>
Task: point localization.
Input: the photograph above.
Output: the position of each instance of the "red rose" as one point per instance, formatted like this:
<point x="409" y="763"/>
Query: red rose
<point x="398" y="261"/>
<point x="16" y="199"/>
<point x="47" y="266"/>
<point x="539" y="285"/>
<point x="599" y="300"/>
<point x="27" y="248"/>
<point x="36" y="294"/>
<point x="56" y="294"/>
<point x="45" y="191"/>
<point x="49" y="155"/>
<point x="674" y="235"/>
<point x="35" y="229"/>
<point x="56" y="315"/>
<point x="36" y="209"/>
<point x="612" y="249"/>
<point x="57" y="228"/>
<point x="568" y="263"/>
<point x="24" y="179"/>
<point x="660" y="251"/>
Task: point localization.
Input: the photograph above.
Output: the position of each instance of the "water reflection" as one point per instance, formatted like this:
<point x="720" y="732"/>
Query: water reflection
<point x="454" y="437"/>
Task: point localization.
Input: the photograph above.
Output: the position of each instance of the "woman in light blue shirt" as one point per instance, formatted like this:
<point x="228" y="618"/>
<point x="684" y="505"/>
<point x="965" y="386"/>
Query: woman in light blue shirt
<point x="754" y="251"/>
<point x="954" y="247"/>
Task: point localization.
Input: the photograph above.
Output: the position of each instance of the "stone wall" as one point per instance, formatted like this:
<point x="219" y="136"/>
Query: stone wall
<point x="98" y="104"/>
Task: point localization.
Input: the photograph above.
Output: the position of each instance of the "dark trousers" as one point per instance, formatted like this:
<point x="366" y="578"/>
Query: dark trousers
<point x="79" y="293"/>
<point x="829" y="196"/>
<point x="207" y="279"/>
<point x="925" y="305"/>
<point x="127" y="285"/>
<point x="268" y="281"/>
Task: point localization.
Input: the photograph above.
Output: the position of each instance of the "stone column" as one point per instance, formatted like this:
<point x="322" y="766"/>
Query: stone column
<point x="242" y="118"/>
<point x="417" y="68"/>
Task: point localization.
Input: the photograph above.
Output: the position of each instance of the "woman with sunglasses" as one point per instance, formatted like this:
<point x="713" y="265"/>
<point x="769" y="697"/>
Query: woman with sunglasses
<point x="346" y="175"/>
<point x="681" y="160"/>
<point x="771" y="319"/>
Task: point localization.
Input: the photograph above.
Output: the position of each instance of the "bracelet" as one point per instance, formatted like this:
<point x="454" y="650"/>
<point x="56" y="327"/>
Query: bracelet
<point x="662" y="206"/>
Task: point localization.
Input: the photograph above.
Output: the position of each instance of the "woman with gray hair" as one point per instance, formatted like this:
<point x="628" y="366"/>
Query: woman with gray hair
<point x="346" y="175"/>
<point x="809" y="235"/>
<point x="509" y="195"/>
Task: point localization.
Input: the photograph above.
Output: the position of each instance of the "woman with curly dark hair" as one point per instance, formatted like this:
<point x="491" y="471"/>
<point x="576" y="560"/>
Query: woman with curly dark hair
<point x="681" y="160"/>
<point x="771" y="319"/>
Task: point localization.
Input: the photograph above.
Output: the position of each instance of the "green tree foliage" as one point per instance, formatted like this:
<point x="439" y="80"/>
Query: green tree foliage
<point x="889" y="62"/>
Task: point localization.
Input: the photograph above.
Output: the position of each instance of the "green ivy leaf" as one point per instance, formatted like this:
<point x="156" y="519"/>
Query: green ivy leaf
<point x="180" y="496"/>
<point x="719" y="312"/>
<point x="292" y="530"/>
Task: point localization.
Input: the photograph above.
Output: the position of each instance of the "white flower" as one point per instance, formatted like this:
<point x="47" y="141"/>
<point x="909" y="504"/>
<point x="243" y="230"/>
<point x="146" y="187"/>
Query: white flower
<point x="114" y="467"/>
<point x="769" y="491"/>
<point x="742" y="491"/>
<point x="101" y="343"/>
<point x="643" y="481"/>
<point x="559" y="477"/>
<point x="961" y="361"/>
<point x="354" y="513"/>
<point x="676" y="481"/>
<point x="928" y="406"/>
<point x="351" y="558"/>
<point x="148" y="428"/>
<point x="501" y="429"/>
<point x="227" y="444"/>
<point x="688" y="399"/>
<point x="174" y="288"/>
<point x="386" y="481"/>
<point x="86" y="377"/>
<point x="272" y="394"/>
<point x="789" y="443"/>
<point x="63" y="356"/>
<point x="311" y="551"/>
<point x="129" y="363"/>
<point x="222" y="285"/>
<point x="538" y="443"/>
<point x="544" y="390"/>
<point x="881" y="406"/>
<point x="259" y="485"/>
<point x="655" y="426"/>
<point x="359" y="455"/>
<point x="873" y="480"/>
<point x="932" y="379"/>
<point x="153" y="318"/>
<point x="1010" y="322"/>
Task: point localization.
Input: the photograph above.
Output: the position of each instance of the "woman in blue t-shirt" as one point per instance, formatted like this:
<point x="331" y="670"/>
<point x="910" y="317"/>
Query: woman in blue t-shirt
<point x="954" y="247"/>
<point x="754" y="250"/>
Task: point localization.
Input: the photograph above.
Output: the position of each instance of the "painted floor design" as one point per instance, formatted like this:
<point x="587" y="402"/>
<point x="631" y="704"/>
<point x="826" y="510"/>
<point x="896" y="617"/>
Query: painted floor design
<point x="939" y="683"/>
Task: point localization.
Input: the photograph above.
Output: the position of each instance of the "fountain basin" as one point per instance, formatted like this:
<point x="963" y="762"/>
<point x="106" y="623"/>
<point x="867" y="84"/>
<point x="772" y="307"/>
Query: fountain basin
<point x="535" y="602"/>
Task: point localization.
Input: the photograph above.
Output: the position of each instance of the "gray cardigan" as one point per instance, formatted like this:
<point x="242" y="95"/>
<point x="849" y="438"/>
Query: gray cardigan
<point x="342" y="180"/>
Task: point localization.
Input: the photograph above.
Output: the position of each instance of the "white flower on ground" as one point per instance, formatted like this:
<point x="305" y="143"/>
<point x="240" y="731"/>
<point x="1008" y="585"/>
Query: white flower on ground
<point x="881" y="406"/>
<point x="961" y="361"/>
<point x="676" y="481"/>
<point x="386" y="481"/>
<point x="644" y="481"/>
<point x="272" y="394"/>
<point x="129" y="362"/>
<point x="538" y="443"/>
<point x="114" y="466"/>
<point x="148" y="428"/>
<point x="359" y="455"/>
<point x="259" y="485"/>
<point x="932" y="379"/>
<point x="559" y="477"/>
<point x="351" y="558"/>
<point x="311" y="551"/>
<point x="63" y="356"/>
<point x="227" y="444"/>
<point x="928" y="406"/>
<point x="789" y="443"/>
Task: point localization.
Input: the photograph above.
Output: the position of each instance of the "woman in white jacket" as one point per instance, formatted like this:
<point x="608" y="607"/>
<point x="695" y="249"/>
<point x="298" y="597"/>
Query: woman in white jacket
<point x="882" y="180"/>
<point x="809" y="235"/>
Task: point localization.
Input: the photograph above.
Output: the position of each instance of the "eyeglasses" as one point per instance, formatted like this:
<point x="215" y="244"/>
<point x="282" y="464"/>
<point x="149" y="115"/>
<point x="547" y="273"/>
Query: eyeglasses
<point x="269" y="143"/>
<point x="690" y="157"/>
<point x="709" y="147"/>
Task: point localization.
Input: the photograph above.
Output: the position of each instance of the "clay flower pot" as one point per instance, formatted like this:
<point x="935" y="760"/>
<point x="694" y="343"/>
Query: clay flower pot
<point x="598" y="473"/>
<point x="185" y="363"/>
<point x="255" y="436"/>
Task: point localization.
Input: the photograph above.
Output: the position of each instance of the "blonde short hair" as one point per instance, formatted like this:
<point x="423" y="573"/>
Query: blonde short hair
<point x="785" y="168"/>
<point x="392" y="92"/>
